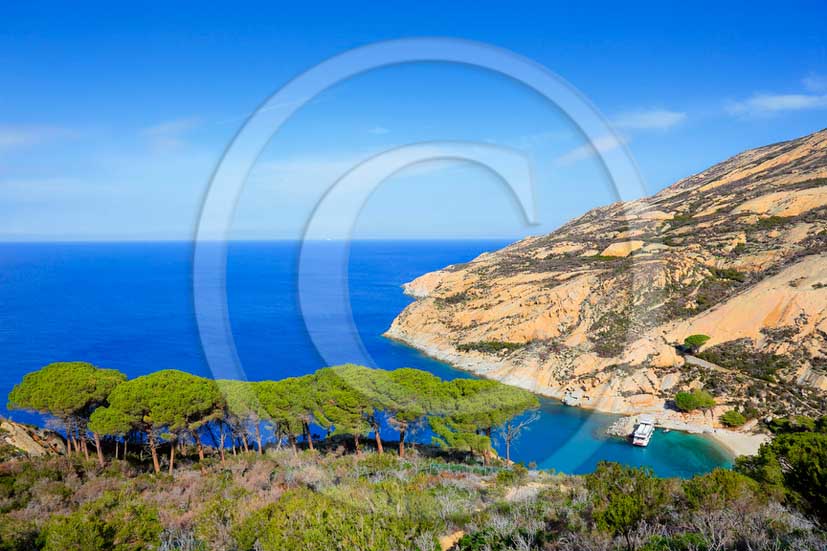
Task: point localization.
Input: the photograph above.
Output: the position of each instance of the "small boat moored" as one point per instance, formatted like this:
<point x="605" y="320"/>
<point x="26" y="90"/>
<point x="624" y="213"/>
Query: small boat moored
<point x="644" y="430"/>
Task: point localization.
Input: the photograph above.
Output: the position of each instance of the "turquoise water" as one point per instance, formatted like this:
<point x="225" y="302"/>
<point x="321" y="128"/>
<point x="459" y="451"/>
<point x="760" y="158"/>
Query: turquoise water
<point x="129" y="306"/>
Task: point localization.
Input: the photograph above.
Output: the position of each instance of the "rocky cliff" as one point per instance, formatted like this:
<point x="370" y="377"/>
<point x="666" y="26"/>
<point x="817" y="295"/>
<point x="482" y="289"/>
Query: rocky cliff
<point x="595" y="311"/>
<point x="17" y="439"/>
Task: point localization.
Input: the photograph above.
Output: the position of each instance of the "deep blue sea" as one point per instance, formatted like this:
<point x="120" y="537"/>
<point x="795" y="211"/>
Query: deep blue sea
<point x="129" y="306"/>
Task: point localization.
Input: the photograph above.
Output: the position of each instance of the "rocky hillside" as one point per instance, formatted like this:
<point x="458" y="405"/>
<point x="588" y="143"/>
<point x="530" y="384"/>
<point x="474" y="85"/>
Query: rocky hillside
<point x="18" y="440"/>
<point x="592" y="312"/>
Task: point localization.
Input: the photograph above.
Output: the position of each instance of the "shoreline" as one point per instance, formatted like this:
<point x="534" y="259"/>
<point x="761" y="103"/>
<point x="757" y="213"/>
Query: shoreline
<point x="734" y="443"/>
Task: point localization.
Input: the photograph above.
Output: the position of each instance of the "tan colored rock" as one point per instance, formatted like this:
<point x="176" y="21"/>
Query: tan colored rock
<point x="772" y="303"/>
<point x="447" y="542"/>
<point x="655" y="215"/>
<point x="785" y="203"/>
<point x="604" y="329"/>
<point x="622" y="249"/>
<point x="32" y="441"/>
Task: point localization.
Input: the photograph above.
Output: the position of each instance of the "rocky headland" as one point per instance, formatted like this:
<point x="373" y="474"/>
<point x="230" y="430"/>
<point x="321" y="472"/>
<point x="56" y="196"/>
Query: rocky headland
<point x="595" y="313"/>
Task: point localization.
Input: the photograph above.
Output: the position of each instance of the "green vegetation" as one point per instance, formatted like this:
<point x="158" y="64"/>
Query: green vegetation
<point x="609" y="333"/>
<point x="69" y="392"/>
<point x="310" y="494"/>
<point x="623" y="498"/>
<point x="793" y="466"/>
<point x="451" y="300"/>
<point x="171" y="409"/>
<point x="328" y="501"/>
<point x="733" y="418"/>
<point x="695" y="342"/>
<point x="489" y="347"/>
<point x="696" y="399"/>
<point x="773" y="222"/>
<point x="798" y="423"/>
<point x="741" y="355"/>
<point x="730" y="274"/>
<point x="680" y="220"/>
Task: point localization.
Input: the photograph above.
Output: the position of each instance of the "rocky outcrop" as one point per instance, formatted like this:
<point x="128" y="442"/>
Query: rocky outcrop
<point x="592" y="312"/>
<point x="19" y="439"/>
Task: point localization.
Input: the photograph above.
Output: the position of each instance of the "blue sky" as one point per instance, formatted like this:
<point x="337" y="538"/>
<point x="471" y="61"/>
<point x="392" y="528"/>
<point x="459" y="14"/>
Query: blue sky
<point x="112" y="118"/>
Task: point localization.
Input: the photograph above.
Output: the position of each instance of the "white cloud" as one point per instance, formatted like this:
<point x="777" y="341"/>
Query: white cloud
<point x="378" y="130"/>
<point x="603" y="144"/>
<point x="767" y="104"/>
<point x="170" y="134"/>
<point x="815" y="82"/>
<point x="650" y="119"/>
<point x="23" y="136"/>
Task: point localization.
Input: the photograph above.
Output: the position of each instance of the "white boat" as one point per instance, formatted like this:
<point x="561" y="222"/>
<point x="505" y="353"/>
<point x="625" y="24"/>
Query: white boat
<point x="644" y="430"/>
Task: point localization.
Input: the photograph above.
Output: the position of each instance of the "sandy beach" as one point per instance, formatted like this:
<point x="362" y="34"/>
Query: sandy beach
<point x="736" y="442"/>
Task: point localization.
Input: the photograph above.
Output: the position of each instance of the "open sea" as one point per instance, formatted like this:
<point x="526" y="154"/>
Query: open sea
<point x="129" y="306"/>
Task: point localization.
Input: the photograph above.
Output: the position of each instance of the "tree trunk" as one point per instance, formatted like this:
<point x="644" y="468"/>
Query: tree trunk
<point x="258" y="438"/>
<point x="221" y="438"/>
<point x="307" y="436"/>
<point x="402" y="442"/>
<point x="68" y="437"/>
<point x="125" y="445"/>
<point x="356" y="444"/>
<point x="292" y="439"/>
<point x="154" y="451"/>
<point x="171" y="458"/>
<point x="486" y="453"/>
<point x="244" y="442"/>
<point x="116" y="449"/>
<point x="378" y="438"/>
<point x="70" y="434"/>
<point x="100" y="450"/>
<point x="82" y="437"/>
<point x="198" y="445"/>
<point x="507" y="436"/>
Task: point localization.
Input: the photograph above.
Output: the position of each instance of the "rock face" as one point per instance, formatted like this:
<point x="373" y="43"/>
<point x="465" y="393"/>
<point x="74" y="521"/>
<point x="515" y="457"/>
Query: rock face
<point x="30" y="441"/>
<point x="593" y="311"/>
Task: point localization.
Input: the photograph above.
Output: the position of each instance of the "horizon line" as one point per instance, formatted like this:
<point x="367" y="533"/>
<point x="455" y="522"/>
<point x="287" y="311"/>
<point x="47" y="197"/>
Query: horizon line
<point x="4" y="241"/>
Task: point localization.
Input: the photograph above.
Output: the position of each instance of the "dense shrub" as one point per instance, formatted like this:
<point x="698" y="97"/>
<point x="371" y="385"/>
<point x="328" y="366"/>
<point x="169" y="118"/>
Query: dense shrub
<point x="741" y="355"/>
<point x="302" y="519"/>
<point x="514" y="475"/>
<point x="798" y="423"/>
<point x="690" y="541"/>
<point x="77" y="532"/>
<point x="622" y="497"/>
<point x="731" y="274"/>
<point x="489" y="347"/>
<point x="373" y="503"/>
<point x="696" y="399"/>
<point x="719" y="489"/>
<point x="733" y="418"/>
<point x="773" y="222"/>
<point x="451" y="300"/>
<point x="112" y="522"/>
<point x="17" y="535"/>
<point x="793" y="467"/>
